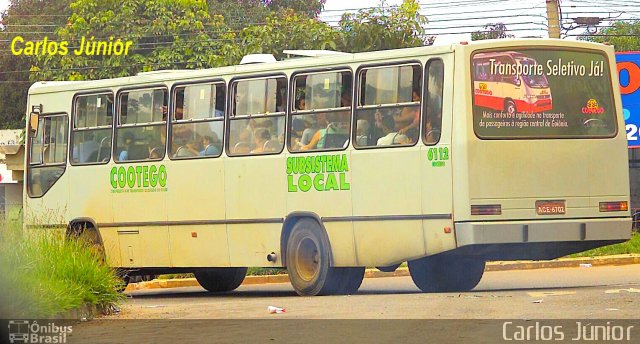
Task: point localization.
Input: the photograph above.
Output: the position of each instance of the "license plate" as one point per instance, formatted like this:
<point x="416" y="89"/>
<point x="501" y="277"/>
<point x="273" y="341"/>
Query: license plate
<point x="550" y="207"/>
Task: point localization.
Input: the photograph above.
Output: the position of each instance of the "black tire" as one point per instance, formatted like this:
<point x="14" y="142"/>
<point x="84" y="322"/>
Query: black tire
<point x="218" y="280"/>
<point x="510" y="107"/>
<point x="388" y="268"/>
<point x="309" y="260"/>
<point x="124" y="278"/>
<point x="350" y="280"/>
<point x="446" y="274"/>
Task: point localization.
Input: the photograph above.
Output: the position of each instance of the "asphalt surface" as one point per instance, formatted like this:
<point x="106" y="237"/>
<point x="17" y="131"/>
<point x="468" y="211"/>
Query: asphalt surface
<point x="393" y="309"/>
<point x="593" y="292"/>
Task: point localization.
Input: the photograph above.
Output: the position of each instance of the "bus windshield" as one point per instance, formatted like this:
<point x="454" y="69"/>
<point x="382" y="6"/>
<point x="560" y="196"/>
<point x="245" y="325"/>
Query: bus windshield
<point x="514" y="92"/>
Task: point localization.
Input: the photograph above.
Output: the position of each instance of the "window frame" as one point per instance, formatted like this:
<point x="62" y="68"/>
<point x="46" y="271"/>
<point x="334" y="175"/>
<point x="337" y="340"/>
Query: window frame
<point x="117" y="125"/>
<point x="292" y="103"/>
<point x="171" y="116"/>
<point x="358" y="93"/>
<point x="229" y="116"/>
<point x="425" y="95"/>
<point x="73" y="121"/>
<point x="30" y="166"/>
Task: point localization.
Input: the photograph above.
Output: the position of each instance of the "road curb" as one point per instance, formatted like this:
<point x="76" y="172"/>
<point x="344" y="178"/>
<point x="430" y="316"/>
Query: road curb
<point x="587" y="262"/>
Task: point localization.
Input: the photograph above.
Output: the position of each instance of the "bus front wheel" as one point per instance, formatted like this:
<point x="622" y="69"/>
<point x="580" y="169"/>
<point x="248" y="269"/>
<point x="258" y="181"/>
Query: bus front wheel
<point x="221" y="279"/>
<point x="446" y="274"/>
<point x="309" y="260"/>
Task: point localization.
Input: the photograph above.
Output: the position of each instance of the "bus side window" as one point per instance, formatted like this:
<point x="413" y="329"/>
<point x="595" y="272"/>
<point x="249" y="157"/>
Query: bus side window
<point x="257" y="123"/>
<point x="198" y="117"/>
<point x="388" y="108"/>
<point x="321" y="111"/>
<point x="433" y="115"/>
<point x="91" y="132"/>
<point x="141" y="126"/>
<point x="47" y="158"/>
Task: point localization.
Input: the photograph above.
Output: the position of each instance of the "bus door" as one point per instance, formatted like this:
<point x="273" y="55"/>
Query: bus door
<point x="437" y="156"/>
<point x="140" y="178"/>
<point x="385" y="165"/>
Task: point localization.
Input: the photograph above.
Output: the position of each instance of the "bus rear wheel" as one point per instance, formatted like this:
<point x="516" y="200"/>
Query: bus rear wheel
<point x="350" y="280"/>
<point x="221" y="279"/>
<point x="309" y="260"/>
<point x="445" y="274"/>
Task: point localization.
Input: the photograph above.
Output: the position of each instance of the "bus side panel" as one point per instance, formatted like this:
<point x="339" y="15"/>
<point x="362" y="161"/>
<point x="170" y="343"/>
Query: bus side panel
<point x="256" y="197"/>
<point x="197" y="194"/>
<point x="326" y="204"/>
<point x="93" y="196"/>
<point x="342" y="243"/>
<point x="249" y="244"/>
<point x="111" y="244"/>
<point x="200" y="246"/>
<point x="387" y="183"/>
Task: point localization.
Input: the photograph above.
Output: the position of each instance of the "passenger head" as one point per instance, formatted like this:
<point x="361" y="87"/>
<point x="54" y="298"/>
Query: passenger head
<point x="262" y="135"/>
<point x="128" y="138"/>
<point x="362" y="127"/>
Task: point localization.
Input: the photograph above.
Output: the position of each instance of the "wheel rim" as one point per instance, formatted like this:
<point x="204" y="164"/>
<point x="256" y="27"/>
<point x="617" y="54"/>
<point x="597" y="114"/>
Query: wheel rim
<point x="511" y="108"/>
<point x="307" y="259"/>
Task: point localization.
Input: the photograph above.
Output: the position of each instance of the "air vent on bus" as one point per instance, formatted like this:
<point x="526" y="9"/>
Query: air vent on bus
<point x="257" y="58"/>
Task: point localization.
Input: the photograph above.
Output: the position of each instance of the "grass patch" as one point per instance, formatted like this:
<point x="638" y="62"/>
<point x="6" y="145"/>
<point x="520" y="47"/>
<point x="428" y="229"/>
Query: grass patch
<point x="42" y="274"/>
<point x="631" y="246"/>
<point x="266" y="271"/>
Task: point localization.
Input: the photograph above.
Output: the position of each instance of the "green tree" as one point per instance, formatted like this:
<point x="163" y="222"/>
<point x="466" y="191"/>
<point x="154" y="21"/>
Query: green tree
<point x="288" y="30"/>
<point x="623" y="35"/>
<point x="240" y="14"/>
<point x="165" y="34"/>
<point x="384" y="27"/>
<point x="22" y="18"/>
<point x="491" y="31"/>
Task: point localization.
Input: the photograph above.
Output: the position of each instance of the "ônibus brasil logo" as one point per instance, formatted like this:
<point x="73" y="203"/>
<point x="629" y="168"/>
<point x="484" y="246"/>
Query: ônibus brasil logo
<point x="31" y="332"/>
<point x="140" y="178"/>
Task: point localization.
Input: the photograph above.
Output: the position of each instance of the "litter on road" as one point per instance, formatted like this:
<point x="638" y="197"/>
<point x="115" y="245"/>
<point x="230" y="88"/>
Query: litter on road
<point x="275" y="310"/>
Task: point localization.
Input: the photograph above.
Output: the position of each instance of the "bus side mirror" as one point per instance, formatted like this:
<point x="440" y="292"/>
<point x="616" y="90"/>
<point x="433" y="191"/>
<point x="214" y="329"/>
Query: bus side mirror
<point x="33" y="124"/>
<point x="517" y="81"/>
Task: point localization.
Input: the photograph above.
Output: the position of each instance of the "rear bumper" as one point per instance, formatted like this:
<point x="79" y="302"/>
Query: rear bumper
<point x="511" y="232"/>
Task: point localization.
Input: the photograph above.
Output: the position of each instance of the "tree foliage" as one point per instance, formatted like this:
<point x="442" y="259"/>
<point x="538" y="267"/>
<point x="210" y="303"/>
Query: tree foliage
<point x="165" y="35"/>
<point x="288" y="30"/>
<point x="491" y="31"/>
<point x="187" y="34"/>
<point x="384" y="27"/>
<point x="22" y="19"/>
<point x="623" y="35"/>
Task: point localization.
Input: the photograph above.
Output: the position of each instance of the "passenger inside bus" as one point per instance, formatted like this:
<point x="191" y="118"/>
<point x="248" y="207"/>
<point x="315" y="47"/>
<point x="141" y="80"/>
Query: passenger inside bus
<point x="210" y="146"/>
<point x="128" y="139"/>
<point x="408" y="121"/>
<point x="262" y="135"/>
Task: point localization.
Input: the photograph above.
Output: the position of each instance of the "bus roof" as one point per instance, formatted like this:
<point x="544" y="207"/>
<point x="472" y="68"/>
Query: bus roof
<point x="160" y="76"/>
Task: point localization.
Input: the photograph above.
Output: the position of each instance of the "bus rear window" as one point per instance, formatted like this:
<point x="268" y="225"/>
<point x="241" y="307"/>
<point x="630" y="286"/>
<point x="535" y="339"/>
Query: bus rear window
<point x="542" y="93"/>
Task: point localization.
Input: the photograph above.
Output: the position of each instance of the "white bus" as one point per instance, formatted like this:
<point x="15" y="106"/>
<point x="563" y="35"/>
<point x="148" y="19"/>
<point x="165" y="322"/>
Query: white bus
<point x="327" y="165"/>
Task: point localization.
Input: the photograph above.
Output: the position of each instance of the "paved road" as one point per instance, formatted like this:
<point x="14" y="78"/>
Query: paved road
<point x="582" y="294"/>
<point x="565" y="293"/>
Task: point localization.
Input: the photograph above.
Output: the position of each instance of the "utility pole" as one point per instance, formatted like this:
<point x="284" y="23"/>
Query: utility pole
<point x="553" y="18"/>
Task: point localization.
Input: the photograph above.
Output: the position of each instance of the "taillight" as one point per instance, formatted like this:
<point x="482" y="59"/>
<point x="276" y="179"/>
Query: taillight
<point x="487" y="209"/>
<point x="613" y="206"/>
